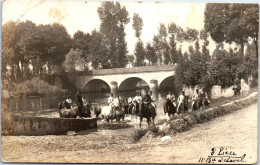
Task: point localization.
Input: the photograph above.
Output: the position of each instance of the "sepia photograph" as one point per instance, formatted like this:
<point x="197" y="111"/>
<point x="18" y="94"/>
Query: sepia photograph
<point x="129" y="82"/>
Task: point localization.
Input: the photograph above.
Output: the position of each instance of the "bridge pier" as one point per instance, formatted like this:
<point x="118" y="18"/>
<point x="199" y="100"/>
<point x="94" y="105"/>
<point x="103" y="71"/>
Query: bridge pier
<point x="114" y="87"/>
<point x="154" y="88"/>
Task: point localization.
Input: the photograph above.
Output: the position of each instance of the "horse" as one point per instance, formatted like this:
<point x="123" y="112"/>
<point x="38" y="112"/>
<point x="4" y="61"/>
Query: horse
<point x="131" y="109"/>
<point x="67" y="113"/>
<point x="119" y="112"/>
<point x="170" y="109"/>
<point x="97" y="109"/>
<point x="107" y="113"/>
<point x="86" y="111"/>
<point x="147" y="111"/>
<point x="184" y="106"/>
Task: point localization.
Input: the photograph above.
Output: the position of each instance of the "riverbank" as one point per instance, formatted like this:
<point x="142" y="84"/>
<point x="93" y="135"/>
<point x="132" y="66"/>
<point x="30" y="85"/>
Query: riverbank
<point x="34" y="87"/>
<point x="237" y="131"/>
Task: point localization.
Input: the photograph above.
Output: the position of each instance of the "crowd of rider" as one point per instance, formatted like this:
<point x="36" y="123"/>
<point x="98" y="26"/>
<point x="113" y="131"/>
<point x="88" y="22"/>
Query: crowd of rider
<point x="133" y="104"/>
<point x="81" y="103"/>
<point x="199" y="99"/>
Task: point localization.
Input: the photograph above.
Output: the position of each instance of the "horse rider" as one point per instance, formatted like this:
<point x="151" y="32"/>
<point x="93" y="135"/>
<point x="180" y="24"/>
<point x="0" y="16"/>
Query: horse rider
<point x="125" y="101"/>
<point x="116" y="102"/>
<point x="137" y="99"/>
<point x="237" y="86"/>
<point x="180" y="100"/>
<point x="84" y="101"/>
<point x="152" y="99"/>
<point x="67" y="103"/>
<point x="79" y="103"/>
<point x="130" y="104"/>
<point x="144" y="111"/>
<point x="204" y="101"/>
<point x="88" y="105"/>
<point x="195" y="99"/>
<point x="110" y="100"/>
<point x="168" y="100"/>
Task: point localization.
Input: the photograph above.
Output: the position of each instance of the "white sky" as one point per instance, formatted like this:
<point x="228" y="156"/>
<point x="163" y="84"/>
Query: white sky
<point x="81" y="15"/>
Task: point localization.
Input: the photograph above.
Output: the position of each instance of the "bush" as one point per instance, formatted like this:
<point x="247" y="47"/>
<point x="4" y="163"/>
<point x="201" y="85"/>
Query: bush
<point x="138" y="134"/>
<point x="35" y="86"/>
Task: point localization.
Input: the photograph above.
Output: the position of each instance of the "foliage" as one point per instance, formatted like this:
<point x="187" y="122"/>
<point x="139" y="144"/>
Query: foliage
<point x="151" y="54"/>
<point x="161" y="46"/>
<point x="173" y="50"/>
<point x="139" y="47"/>
<point x="113" y="20"/>
<point x="139" y="53"/>
<point x="232" y="22"/>
<point x="137" y="25"/>
<point x="82" y="41"/>
<point x="74" y="61"/>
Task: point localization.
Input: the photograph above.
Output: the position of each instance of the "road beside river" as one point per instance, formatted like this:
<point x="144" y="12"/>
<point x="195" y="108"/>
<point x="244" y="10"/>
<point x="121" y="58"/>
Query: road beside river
<point x="236" y="131"/>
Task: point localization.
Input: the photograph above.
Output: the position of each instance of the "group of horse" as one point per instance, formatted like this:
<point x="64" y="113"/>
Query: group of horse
<point x="73" y="112"/>
<point x="110" y="113"/>
<point x="143" y="110"/>
<point x="171" y="107"/>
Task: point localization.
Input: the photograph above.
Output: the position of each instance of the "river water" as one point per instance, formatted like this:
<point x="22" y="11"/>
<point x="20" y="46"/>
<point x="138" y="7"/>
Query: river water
<point x="47" y="106"/>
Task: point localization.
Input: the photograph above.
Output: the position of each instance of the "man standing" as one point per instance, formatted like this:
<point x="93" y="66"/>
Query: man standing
<point x="168" y="101"/>
<point x="181" y="99"/>
<point x="237" y="86"/>
<point x="130" y="104"/>
<point x="110" y="100"/>
<point x="79" y="103"/>
<point x="116" y="102"/>
<point x="195" y="98"/>
<point x="137" y="99"/>
<point x="152" y="99"/>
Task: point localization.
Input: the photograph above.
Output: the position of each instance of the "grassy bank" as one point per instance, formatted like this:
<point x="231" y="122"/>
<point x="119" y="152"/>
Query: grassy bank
<point x="184" y="122"/>
<point x="33" y="87"/>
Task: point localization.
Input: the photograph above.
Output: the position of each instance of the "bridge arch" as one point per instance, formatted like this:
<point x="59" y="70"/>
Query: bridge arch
<point x="168" y="84"/>
<point x="97" y="85"/>
<point x="133" y="83"/>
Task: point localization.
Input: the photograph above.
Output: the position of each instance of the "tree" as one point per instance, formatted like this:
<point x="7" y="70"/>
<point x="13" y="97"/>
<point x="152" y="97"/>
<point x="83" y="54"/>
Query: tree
<point x="74" y="62"/>
<point x="232" y="23"/>
<point x="97" y="51"/>
<point x="161" y="46"/>
<point x="139" y="54"/>
<point x="191" y="35"/>
<point x="81" y="41"/>
<point x="9" y="43"/>
<point x="45" y="45"/>
<point x="113" y="20"/>
<point x="130" y="59"/>
<point x="137" y="25"/>
<point x="173" y="50"/>
<point x="139" y="47"/>
<point x="177" y="31"/>
<point x="151" y="54"/>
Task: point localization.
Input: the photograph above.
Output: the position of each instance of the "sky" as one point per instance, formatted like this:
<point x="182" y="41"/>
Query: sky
<point x="82" y="15"/>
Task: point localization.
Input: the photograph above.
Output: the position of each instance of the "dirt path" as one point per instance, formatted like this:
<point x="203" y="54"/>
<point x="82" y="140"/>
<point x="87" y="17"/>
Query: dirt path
<point x="236" y="131"/>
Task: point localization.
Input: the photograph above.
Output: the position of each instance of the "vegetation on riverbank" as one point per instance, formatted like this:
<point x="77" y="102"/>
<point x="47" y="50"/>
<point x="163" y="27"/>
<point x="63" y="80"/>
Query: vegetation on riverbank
<point x="184" y="122"/>
<point x="33" y="87"/>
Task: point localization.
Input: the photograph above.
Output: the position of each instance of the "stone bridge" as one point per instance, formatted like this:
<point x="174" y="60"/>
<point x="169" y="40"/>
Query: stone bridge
<point x="126" y="79"/>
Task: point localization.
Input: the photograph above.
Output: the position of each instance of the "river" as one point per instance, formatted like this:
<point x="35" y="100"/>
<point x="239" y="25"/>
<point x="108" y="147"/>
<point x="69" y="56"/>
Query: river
<point x="47" y="105"/>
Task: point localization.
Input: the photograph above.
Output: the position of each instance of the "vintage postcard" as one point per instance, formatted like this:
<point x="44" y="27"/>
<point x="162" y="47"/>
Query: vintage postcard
<point x="129" y="82"/>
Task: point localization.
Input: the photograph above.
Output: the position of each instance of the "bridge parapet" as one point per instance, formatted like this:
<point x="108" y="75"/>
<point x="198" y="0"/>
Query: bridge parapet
<point x="154" y="68"/>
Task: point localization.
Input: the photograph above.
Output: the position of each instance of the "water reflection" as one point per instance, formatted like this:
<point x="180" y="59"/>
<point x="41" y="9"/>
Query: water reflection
<point x="26" y="104"/>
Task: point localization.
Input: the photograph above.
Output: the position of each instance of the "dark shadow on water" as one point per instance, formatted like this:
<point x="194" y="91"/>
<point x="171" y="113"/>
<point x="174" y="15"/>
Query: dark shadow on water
<point x="89" y="131"/>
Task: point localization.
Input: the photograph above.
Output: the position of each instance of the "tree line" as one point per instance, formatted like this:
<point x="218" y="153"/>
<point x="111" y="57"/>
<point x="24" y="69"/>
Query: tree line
<point x="37" y="50"/>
